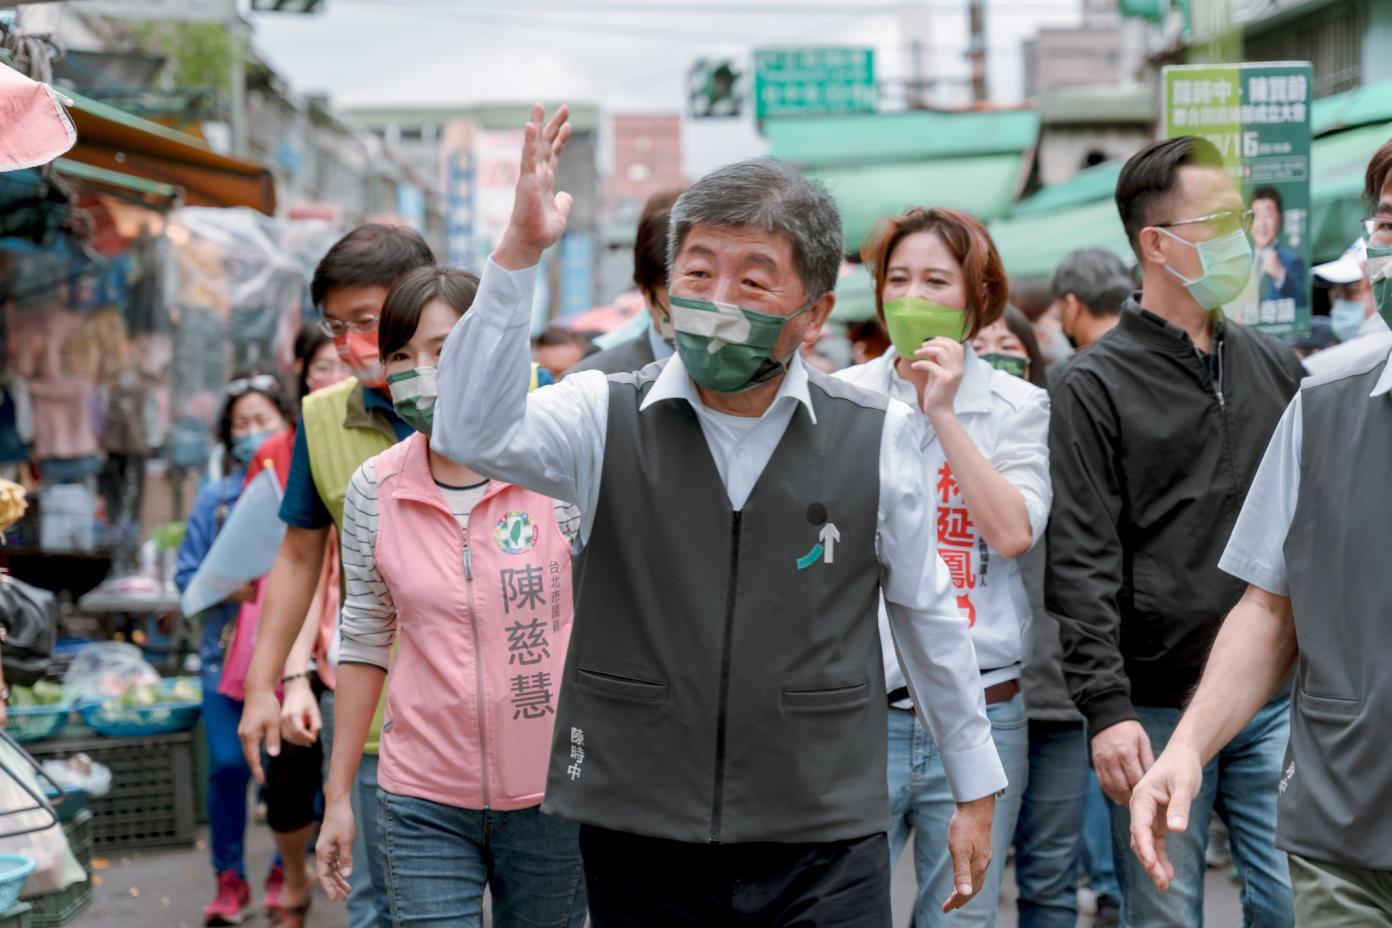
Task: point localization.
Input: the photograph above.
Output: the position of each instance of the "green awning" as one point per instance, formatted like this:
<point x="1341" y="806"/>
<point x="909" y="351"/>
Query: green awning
<point x="76" y="169"/>
<point x="917" y="135"/>
<point x="1338" y="164"/>
<point x="1090" y="184"/>
<point x="1371" y="103"/>
<point x="1033" y="245"/>
<point x="983" y="186"/>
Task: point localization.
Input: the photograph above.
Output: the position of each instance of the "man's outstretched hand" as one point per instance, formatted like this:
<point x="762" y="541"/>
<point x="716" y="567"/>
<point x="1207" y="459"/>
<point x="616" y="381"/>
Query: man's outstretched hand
<point x="538" y="212"/>
<point x="1160" y="806"/>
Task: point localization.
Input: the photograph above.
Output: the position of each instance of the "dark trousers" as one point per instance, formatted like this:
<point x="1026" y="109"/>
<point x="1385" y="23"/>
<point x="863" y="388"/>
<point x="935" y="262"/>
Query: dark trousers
<point x="639" y="882"/>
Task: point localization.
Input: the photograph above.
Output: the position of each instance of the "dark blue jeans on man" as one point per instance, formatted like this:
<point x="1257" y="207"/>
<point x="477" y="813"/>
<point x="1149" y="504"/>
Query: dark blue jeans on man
<point x="1241" y="782"/>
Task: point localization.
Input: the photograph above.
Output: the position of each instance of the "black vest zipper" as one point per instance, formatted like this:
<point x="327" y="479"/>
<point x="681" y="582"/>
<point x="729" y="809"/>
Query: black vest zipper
<point x="722" y="717"/>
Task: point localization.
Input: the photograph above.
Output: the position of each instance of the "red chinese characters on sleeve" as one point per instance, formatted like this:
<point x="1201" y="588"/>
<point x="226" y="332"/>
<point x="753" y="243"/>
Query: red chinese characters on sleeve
<point x="957" y="540"/>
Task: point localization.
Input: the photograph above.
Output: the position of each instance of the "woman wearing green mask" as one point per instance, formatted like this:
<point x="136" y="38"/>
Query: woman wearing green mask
<point x="461" y="585"/>
<point x="939" y="283"/>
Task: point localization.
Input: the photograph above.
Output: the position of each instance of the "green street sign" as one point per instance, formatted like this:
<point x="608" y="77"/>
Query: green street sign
<point x="813" y="81"/>
<point x="1258" y="116"/>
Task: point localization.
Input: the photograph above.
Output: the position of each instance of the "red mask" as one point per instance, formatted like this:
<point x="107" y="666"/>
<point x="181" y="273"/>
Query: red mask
<point x="359" y="352"/>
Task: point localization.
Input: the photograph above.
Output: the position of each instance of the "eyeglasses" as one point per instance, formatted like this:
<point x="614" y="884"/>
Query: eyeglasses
<point x="1223" y="221"/>
<point x="337" y="328"/>
<point x="264" y="383"/>
<point x="1377" y="230"/>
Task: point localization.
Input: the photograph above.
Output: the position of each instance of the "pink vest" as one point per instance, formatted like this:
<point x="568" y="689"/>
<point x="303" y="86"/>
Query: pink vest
<point x="483" y="621"/>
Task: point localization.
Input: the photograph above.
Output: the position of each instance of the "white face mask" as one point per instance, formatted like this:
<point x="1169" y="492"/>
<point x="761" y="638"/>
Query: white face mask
<point x="1346" y="318"/>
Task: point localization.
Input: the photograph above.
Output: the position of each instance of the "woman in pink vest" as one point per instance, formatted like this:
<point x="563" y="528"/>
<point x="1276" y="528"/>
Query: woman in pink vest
<point x="470" y="580"/>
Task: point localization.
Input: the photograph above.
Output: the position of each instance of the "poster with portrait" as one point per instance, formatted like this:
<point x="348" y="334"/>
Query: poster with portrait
<point x="1258" y="116"/>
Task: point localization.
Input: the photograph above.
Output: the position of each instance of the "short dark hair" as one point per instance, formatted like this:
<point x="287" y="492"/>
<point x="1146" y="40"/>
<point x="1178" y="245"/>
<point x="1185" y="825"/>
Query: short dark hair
<point x="650" y="242"/>
<point x="307" y="344"/>
<point x="1113" y="297"/>
<point x="553" y="336"/>
<point x="275" y="394"/>
<point x="373" y="254"/>
<point x="1088" y="274"/>
<point x="1149" y="178"/>
<point x="1274" y="195"/>
<point x="1378" y="168"/>
<point x="1021" y="327"/>
<point x="409" y="295"/>
<point x="1031" y="296"/>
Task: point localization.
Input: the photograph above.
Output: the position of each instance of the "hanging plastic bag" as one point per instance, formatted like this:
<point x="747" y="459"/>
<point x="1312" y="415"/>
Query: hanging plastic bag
<point x="56" y="867"/>
<point x="110" y="670"/>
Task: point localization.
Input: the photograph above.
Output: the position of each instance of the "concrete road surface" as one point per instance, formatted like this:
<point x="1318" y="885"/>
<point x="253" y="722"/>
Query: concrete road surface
<point x="169" y="889"/>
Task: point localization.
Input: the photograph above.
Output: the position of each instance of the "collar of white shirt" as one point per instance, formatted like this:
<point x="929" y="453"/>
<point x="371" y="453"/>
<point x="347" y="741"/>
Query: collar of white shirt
<point x="674" y="383"/>
<point x="973" y="393"/>
<point x="1384" y="384"/>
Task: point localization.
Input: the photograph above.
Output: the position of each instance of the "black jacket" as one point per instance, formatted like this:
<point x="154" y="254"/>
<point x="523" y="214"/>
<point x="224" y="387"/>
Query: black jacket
<point x="1152" y="448"/>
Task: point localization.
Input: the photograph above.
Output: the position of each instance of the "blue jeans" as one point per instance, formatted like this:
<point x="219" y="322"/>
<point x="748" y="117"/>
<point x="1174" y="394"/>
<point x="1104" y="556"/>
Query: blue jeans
<point x="368" y="903"/>
<point x="228" y="776"/>
<point x="920" y="800"/>
<point x="1241" y="783"/>
<point x="1098" y="864"/>
<point x="439" y="858"/>
<point x="1048" y="836"/>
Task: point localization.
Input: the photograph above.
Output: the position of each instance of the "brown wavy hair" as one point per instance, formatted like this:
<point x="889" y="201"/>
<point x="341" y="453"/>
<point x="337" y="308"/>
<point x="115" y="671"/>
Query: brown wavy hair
<point x="966" y="238"/>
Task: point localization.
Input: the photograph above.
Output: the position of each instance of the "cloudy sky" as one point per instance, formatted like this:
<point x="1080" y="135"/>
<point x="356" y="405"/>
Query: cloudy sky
<point x="626" y="55"/>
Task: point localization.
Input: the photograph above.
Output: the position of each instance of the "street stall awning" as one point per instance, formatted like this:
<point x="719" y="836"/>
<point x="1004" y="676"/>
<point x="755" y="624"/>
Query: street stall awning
<point x="1088" y="185"/>
<point x="1371" y="103"/>
<point x="115" y="180"/>
<point x="1338" y="164"/>
<point x="111" y="139"/>
<point x="1032" y="245"/>
<point x="876" y="165"/>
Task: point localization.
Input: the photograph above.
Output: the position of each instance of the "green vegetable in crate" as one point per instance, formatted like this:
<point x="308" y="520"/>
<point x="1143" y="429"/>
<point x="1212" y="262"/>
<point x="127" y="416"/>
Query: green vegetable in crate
<point x="168" y="536"/>
<point x="186" y="689"/>
<point x="42" y="693"/>
<point x="146" y="694"/>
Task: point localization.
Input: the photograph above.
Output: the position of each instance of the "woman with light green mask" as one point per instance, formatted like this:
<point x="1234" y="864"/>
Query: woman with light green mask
<point x="938" y="283"/>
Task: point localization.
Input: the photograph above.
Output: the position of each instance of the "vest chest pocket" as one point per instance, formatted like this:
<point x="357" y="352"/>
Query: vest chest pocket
<point x="827" y="698"/>
<point x="624" y="687"/>
<point x="1331" y="708"/>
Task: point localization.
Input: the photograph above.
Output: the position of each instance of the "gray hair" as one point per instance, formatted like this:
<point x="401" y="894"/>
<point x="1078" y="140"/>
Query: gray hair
<point x="768" y="194"/>
<point x="1093" y="275"/>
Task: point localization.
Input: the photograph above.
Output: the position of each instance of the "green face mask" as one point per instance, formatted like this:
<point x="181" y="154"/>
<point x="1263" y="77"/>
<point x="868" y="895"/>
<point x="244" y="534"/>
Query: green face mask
<point x="912" y="321"/>
<point x="727" y="348"/>
<point x="1011" y="364"/>
<point x="1380" y="275"/>
<point x="413" y="396"/>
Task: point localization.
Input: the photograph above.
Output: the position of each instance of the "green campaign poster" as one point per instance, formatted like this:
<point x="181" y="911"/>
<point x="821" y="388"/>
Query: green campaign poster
<point x="1258" y="115"/>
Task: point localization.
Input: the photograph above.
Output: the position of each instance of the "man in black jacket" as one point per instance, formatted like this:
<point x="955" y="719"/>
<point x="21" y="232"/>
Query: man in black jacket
<point x="1156" y="434"/>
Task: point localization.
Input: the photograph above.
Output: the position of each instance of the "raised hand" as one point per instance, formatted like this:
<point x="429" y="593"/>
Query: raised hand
<point x="538" y="212"/>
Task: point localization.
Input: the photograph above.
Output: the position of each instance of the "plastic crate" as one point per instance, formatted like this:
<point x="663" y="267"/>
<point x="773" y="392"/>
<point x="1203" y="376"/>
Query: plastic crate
<point x="151" y="803"/>
<point x="54" y="910"/>
<point x="79" y="835"/>
<point x="27" y="724"/>
<point x="114" y="719"/>
<point x="17" y="916"/>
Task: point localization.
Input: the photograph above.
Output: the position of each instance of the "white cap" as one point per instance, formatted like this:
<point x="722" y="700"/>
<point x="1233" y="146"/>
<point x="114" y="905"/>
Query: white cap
<point x="1347" y="268"/>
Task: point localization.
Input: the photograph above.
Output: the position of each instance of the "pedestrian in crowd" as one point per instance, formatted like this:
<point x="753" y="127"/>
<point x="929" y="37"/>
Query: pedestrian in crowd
<point x="1089" y="287"/>
<point x="939" y="283"/>
<point x="719" y="735"/>
<point x="650" y="277"/>
<point x="254" y="408"/>
<point x="1157" y="431"/>
<point x="342" y="426"/>
<point x="1009" y="345"/>
<point x="558" y="350"/>
<point x="294" y="776"/>
<point x="1034" y="298"/>
<point x="1353" y="314"/>
<point x="1317" y="598"/>
<point x="471" y="702"/>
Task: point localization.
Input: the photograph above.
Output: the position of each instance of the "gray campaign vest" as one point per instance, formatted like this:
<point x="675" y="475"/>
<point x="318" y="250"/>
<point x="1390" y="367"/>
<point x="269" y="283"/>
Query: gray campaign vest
<point x="724" y="681"/>
<point x="1336" y="787"/>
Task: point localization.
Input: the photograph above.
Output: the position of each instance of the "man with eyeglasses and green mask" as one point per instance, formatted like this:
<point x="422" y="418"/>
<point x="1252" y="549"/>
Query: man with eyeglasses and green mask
<point x="720" y="734"/>
<point x="1311" y="544"/>
<point x="1155" y="436"/>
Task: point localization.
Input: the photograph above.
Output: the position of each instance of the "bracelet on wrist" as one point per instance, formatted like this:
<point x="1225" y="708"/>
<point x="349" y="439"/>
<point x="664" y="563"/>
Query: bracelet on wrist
<point x="289" y="677"/>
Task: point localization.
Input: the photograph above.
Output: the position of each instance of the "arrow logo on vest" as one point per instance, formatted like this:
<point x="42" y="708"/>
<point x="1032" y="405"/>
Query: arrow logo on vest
<point x="825" y="549"/>
<point x="829" y="537"/>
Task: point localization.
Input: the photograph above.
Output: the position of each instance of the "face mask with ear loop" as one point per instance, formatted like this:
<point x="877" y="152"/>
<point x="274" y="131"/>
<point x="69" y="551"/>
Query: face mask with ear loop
<point x="1227" y="268"/>
<point x="728" y="348"/>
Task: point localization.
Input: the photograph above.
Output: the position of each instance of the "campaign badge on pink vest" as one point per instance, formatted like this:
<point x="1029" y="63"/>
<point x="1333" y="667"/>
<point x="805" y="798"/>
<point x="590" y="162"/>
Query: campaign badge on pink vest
<point x="516" y="533"/>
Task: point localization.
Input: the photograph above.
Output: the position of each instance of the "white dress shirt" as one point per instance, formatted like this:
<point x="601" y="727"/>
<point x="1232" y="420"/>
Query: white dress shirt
<point x="1256" y="550"/>
<point x="552" y="441"/>
<point x="1008" y="420"/>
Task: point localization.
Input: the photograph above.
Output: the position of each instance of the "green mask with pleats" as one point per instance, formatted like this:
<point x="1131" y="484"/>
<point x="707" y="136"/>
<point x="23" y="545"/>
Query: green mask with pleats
<point x="912" y="321"/>
<point x="728" y="348"/>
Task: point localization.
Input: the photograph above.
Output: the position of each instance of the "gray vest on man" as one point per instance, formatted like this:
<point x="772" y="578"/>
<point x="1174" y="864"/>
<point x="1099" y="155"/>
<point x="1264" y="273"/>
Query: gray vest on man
<point x="715" y="691"/>
<point x="1336" y="787"/>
